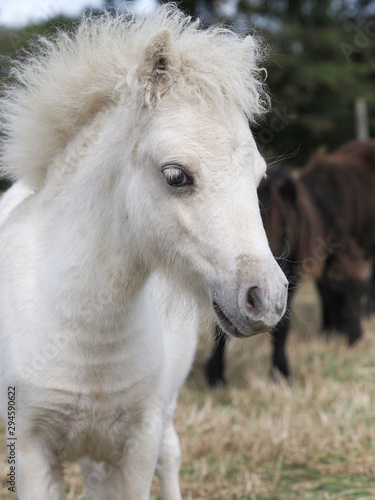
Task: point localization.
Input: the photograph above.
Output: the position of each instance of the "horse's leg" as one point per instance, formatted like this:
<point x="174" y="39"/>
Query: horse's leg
<point x="140" y="459"/>
<point x="38" y="474"/>
<point x="280" y="365"/>
<point x="128" y="477"/>
<point x="215" y="366"/>
<point x="102" y="480"/>
<point x="279" y="335"/>
<point x="168" y="466"/>
<point x="348" y="313"/>
<point x="328" y="305"/>
<point x="369" y="293"/>
<point x="342" y="303"/>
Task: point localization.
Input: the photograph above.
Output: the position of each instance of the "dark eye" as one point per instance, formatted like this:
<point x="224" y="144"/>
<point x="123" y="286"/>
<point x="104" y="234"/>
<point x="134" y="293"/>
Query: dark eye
<point x="176" y="176"/>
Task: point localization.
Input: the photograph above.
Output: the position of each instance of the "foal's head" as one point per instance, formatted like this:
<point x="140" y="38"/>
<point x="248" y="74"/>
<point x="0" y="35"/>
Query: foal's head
<point x="194" y="182"/>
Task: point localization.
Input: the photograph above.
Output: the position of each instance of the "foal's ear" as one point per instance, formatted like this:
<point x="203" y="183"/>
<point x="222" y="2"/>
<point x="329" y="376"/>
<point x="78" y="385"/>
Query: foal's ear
<point x="249" y="48"/>
<point x="158" y="67"/>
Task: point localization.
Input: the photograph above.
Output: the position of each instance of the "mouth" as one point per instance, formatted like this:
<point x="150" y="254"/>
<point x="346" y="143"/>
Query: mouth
<point x="224" y="322"/>
<point x="254" y="327"/>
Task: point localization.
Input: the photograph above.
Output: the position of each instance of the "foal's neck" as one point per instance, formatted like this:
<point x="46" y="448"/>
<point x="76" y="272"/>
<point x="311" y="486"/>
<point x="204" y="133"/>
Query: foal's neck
<point x="85" y="219"/>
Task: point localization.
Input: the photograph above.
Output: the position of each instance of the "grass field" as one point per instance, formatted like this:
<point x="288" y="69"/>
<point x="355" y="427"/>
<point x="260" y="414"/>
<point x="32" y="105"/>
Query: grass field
<point x="254" y="439"/>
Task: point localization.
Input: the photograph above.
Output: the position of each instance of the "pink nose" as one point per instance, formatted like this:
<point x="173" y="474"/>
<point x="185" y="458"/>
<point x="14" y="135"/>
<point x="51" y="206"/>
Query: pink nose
<point x="257" y="302"/>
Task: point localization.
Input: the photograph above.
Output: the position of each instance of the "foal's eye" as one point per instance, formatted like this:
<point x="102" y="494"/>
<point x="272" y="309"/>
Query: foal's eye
<point x="176" y="176"/>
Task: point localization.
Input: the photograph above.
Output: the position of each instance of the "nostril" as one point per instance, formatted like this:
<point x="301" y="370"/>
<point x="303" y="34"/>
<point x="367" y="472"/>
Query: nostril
<point x="279" y="307"/>
<point x="252" y="298"/>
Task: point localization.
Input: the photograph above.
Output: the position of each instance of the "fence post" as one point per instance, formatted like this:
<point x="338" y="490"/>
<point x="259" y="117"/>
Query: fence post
<point x="361" y="119"/>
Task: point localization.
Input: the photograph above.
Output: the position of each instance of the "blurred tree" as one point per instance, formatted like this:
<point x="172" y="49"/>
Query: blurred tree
<point x="322" y="59"/>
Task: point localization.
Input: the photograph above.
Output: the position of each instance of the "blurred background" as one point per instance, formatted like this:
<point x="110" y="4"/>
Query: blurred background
<point x="311" y="436"/>
<point x="321" y="67"/>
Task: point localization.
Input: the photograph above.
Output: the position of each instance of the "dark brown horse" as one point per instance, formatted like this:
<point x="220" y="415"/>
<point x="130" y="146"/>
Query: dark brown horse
<point x="319" y="226"/>
<point x="342" y="187"/>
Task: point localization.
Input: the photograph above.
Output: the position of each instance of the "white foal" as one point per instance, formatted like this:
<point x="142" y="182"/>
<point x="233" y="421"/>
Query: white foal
<point x="133" y="140"/>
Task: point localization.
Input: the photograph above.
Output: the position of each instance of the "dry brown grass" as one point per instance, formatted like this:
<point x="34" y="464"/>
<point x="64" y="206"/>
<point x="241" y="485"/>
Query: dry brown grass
<point x="254" y="439"/>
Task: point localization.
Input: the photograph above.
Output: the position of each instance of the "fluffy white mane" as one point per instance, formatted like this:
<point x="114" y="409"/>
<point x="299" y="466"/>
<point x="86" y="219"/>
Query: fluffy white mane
<point x="63" y="84"/>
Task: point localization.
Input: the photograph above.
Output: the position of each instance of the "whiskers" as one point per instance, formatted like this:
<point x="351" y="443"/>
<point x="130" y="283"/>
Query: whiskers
<point x="273" y="160"/>
<point x="282" y="259"/>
